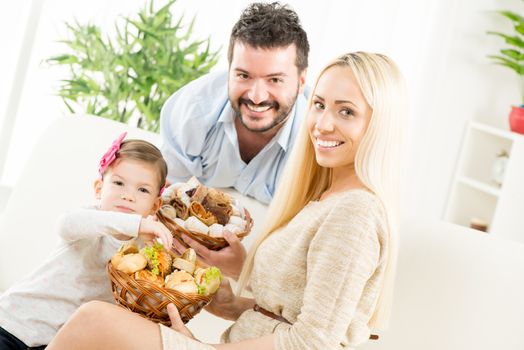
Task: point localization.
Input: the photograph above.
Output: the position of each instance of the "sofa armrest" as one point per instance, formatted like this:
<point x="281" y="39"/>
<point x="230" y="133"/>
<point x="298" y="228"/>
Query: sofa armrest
<point x="58" y="176"/>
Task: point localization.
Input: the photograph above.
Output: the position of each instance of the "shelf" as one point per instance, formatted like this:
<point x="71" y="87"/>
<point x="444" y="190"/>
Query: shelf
<point x="480" y="150"/>
<point x="474" y="192"/>
<point x="492" y="130"/>
<point x="468" y="202"/>
<point x="480" y="186"/>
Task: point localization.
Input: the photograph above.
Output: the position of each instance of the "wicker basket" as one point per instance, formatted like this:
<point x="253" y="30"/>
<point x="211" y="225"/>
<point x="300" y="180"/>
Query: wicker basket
<point x="213" y="243"/>
<point x="150" y="301"/>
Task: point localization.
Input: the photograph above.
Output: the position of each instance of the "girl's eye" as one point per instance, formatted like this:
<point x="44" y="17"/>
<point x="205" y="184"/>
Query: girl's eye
<point x="144" y="190"/>
<point x="319" y="105"/>
<point x="118" y="183"/>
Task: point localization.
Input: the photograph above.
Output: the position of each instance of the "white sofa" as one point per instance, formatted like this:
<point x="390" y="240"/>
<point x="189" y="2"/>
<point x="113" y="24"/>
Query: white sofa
<point x="456" y="289"/>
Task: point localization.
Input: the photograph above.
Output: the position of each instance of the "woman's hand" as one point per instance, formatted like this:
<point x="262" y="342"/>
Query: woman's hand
<point x="229" y="259"/>
<point x="176" y="321"/>
<point x="226" y="304"/>
<point x="150" y="229"/>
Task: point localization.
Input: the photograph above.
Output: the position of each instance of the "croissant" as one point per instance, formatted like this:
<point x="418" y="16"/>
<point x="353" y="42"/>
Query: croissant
<point x="168" y="210"/>
<point x="181" y="209"/>
<point x="218" y="203"/>
<point x="196" y="209"/>
<point x="199" y="193"/>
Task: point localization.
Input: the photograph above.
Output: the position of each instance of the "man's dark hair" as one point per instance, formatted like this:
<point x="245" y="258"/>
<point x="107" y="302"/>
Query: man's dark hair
<point x="263" y="25"/>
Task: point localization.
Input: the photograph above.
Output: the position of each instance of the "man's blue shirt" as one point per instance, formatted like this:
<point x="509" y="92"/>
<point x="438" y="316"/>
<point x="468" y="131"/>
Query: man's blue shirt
<point x="199" y="138"/>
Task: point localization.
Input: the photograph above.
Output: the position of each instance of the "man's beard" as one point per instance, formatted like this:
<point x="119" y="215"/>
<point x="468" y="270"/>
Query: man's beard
<point x="282" y="112"/>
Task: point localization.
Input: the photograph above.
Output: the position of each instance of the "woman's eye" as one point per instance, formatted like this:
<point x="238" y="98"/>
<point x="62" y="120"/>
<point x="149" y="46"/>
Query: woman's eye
<point x="346" y="112"/>
<point x="319" y="105"/>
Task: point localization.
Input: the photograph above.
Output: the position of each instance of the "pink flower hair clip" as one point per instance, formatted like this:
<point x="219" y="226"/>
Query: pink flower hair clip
<point x="110" y="155"/>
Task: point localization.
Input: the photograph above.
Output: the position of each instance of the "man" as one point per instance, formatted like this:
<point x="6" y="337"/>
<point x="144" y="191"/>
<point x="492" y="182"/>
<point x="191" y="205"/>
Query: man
<point x="237" y="129"/>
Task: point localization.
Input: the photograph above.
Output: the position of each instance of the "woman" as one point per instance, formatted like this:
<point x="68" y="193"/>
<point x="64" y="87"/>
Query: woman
<point x="321" y="273"/>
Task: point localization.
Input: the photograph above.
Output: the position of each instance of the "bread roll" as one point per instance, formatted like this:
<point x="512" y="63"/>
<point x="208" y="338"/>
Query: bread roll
<point x="177" y="277"/>
<point x="131" y="263"/>
<point x="190" y="255"/>
<point x="188" y="287"/>
<point x="183" y="264"/>
<point x="195" y="225"/>
<point x="208" y="280"/>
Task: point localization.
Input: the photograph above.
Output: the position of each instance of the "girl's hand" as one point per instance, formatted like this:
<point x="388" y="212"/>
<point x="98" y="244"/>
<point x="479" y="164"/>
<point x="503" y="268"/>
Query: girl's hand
<point x="176" y="321"/>
<point x="150" y="229"/>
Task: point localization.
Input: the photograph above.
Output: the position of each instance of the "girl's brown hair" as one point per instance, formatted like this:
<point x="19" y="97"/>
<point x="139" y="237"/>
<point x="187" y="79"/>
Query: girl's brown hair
<point x="146" y="152"/>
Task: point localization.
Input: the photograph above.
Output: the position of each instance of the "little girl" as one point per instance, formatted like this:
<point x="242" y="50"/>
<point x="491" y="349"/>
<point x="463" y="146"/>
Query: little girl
<point x="132" y="176"/>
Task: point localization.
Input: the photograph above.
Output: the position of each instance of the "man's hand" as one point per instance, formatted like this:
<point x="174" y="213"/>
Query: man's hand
<point x="229" y="259"/>
<point x="150" y="229"/>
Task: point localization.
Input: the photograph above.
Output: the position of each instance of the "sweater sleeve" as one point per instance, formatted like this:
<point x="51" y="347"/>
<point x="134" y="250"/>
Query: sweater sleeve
<point x="342" y="256"/>
<point x="90" y="223"/>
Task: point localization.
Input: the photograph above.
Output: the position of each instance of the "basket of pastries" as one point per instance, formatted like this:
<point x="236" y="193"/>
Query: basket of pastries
<point x="145" y="281"/>
<point x="203" y="213"/>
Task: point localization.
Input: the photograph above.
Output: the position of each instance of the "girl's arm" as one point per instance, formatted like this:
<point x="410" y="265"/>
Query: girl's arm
<point x="89" y="223"/>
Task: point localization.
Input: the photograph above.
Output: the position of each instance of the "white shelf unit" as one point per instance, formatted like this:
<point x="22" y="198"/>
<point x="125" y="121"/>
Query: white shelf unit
<point x="474" y="194"/>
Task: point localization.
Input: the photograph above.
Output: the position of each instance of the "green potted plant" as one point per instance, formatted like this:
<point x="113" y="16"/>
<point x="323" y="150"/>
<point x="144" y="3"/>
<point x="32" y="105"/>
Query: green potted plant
<point x="512" y="57"/>
<point x="130" y="76"/>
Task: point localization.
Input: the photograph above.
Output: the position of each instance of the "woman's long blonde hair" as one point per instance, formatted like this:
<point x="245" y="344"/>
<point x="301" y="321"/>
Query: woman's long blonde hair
<point x="376" y="164"/>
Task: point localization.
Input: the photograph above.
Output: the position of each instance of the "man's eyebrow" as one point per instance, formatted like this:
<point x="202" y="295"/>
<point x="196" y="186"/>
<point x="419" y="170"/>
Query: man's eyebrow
<point x="271" y="75"/>
<point x="278" y="74"/>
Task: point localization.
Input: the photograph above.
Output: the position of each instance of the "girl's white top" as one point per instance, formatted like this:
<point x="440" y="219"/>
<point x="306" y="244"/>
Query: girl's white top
<point x="34" y="309"/>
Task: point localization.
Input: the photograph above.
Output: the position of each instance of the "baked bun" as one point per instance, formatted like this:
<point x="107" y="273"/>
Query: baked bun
<point x="131" y="263"/>
<point x="183" y="264"/>
<point x="188" y="287"/>
<point x="190" y="255"/>
<point x="208" y="280"/>
<point x="177" y="277"/>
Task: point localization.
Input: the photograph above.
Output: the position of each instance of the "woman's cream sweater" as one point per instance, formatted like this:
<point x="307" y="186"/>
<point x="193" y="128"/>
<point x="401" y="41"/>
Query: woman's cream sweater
<point x="322" y="272"/>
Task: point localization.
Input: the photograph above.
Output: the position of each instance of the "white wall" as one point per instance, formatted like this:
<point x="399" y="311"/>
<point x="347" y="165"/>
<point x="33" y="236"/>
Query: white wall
<point x="439" y="45"/>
